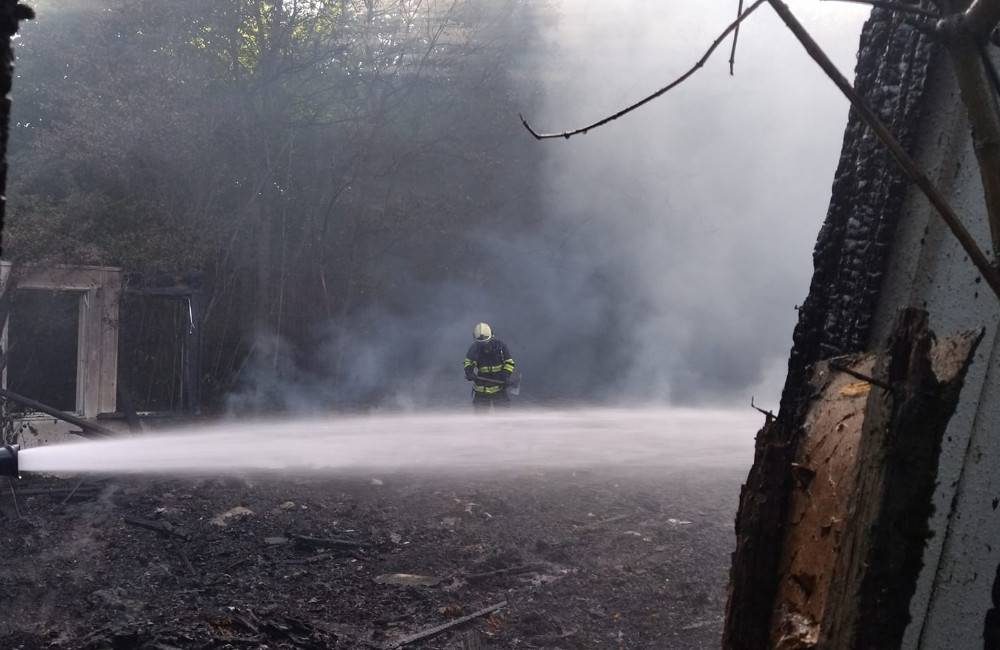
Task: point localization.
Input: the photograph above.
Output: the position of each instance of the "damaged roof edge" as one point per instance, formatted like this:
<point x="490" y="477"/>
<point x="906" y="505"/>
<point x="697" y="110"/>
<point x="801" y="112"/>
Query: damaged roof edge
<point x="852" y="248"/>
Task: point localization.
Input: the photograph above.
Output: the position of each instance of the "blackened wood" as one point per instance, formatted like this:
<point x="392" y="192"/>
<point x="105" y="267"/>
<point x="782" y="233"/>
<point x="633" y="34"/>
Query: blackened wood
<point x="989" y="153"/>
<point x="849" y="259"/>
<point x="760" y="526"/>
<point x="991" y="625"/>
<point x="866" y="203"/>
<point x="887" y="527"/>
<point x="11" y="14"/>
<point x="880" y="555"/>
<point x="438" y="629"/>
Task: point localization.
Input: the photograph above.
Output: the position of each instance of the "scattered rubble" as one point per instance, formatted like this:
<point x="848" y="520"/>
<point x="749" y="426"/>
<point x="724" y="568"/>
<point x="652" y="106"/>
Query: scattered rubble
<point x="239" y="512"/>
<point x="144" y="565"/>
<point x="162" y="527"/>
<point x="407" y="580"/>
<point x="438" y="629"/>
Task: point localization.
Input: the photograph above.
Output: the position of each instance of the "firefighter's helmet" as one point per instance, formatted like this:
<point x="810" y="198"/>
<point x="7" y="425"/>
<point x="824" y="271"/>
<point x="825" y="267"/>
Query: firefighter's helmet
<point x="482" y="332"/>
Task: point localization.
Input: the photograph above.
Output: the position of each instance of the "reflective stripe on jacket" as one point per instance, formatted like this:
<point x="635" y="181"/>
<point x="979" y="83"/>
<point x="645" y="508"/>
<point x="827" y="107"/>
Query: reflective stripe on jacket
<point x="490" y="360"/>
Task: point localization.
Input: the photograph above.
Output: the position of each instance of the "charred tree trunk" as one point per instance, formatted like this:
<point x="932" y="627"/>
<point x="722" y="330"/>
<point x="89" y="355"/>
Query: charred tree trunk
<point x="11" y="13"/>
<point x="834" y="517"/>
<point x="881" y="553"/>
<point x="836" y="318"/>
<point x="759" y="532"/>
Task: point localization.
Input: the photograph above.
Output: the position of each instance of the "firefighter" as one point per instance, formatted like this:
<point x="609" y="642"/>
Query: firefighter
<point x="488" y="365"/>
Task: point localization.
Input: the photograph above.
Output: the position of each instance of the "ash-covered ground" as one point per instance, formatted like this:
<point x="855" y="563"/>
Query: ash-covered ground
<point x="584" y="559"/>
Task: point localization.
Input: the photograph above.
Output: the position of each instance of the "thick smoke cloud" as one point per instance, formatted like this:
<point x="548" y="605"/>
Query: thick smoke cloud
<point x="666" y="252"/>
<point x="658" y="258"/>
<point x="703" y="206"/>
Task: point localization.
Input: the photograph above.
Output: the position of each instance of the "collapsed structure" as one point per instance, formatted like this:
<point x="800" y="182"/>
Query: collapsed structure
<point x="870" y="516"/>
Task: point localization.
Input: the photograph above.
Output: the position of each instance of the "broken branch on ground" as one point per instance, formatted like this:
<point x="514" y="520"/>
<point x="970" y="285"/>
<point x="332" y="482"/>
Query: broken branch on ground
<point x="509" y="571"/>
<point x="438" y="629"/>
<point x="324" y="542"/>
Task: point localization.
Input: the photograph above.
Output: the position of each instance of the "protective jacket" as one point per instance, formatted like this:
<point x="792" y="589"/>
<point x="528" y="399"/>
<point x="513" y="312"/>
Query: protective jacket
<point x="489" y="360"/>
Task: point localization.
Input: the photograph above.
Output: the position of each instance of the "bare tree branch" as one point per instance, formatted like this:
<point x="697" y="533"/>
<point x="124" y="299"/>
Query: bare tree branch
<point x="990" y="68"/>
<point x="642" y="102"/>
<point x="973" y="72"/>
<point x="736" y="36"/>
<point x="975" y="15"/>
<point x="981" y="17"/>
<point x="965" y="35"/>
<point x="899" y="7"/>
<point x="908" y="165"/>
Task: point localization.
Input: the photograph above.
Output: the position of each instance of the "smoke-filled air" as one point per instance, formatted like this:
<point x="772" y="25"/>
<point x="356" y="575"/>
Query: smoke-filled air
<point x="313" y="341"/>
<point x="357" y="191"/>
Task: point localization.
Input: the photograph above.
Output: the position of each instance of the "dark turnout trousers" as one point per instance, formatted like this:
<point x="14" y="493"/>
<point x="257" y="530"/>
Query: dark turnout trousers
<point x="482" y="402"/>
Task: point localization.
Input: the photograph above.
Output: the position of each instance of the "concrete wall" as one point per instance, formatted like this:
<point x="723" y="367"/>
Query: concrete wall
<point x="927" y="268"/>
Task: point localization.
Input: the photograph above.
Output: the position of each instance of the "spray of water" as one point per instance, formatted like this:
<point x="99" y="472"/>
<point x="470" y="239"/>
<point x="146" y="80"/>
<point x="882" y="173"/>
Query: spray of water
<point x="424" y="442"/>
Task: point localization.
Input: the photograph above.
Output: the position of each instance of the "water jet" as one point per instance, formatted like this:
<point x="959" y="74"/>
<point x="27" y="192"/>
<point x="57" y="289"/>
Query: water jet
<point x="409" y="442"/>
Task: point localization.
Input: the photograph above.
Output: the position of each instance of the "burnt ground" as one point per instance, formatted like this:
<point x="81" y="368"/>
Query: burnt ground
<point x="585" y="559"/>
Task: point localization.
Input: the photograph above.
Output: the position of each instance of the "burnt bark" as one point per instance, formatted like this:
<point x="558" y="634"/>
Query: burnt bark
<point x="11" y="14"/>
<point x="845" y="559"/>
<point x="991" y="626"/>
<point x="867" y="197"/>
<point x="836" y="318"/>
<point x="760" y="527"/>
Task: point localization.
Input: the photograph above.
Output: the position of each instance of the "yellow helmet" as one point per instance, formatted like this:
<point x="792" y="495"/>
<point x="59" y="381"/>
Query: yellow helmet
<point x="482" y="332"/>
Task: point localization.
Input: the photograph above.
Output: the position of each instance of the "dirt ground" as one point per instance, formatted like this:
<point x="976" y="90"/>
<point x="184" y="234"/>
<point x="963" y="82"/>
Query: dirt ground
<point x="582" y="559"/>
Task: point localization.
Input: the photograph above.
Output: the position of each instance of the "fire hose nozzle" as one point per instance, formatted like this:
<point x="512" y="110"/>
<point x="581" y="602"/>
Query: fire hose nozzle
<point x="8" y="460"/>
